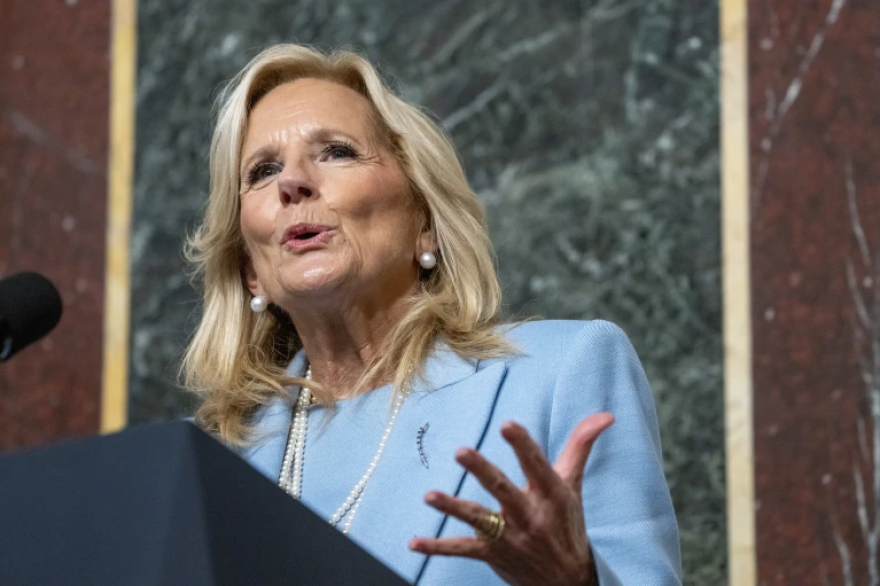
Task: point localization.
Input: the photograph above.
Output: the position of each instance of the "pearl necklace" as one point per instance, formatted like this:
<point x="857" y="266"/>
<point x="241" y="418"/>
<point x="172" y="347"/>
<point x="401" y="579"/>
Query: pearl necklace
<point x="292" y="465"/>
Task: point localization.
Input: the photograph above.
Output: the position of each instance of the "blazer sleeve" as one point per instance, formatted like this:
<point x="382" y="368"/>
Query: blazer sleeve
<point x="629" y="516"/>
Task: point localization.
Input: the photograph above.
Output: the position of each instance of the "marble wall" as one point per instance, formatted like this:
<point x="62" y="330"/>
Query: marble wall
<point x="54" y="103"/>
<point x="815" y="199"/>
<point x="590" y="131"/>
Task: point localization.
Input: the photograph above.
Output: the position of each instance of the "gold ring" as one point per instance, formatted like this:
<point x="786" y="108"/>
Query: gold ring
<point x="490" y="526"/>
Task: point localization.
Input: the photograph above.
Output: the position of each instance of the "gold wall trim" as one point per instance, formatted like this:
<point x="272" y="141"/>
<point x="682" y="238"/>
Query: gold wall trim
<point x="739" y="421"/>
<point x="114" y="392"/>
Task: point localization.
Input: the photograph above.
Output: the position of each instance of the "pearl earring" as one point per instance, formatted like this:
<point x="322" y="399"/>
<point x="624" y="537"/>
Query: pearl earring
<point x="259" y="304"/>
<point x="427" y="260"/>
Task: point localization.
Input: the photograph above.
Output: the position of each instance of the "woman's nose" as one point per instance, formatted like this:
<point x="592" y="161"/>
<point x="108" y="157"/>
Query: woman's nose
<point x="295" y="184"/>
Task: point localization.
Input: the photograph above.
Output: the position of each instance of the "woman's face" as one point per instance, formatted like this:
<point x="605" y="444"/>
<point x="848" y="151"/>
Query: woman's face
<point x="325" y="209"/>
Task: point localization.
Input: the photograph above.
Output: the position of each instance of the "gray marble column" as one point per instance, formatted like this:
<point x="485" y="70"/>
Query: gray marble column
<point x="590" y="131"/>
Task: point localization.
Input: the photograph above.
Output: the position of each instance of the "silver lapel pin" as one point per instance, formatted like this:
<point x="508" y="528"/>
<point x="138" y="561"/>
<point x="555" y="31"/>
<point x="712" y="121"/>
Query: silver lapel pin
<point x="419" y="436"/>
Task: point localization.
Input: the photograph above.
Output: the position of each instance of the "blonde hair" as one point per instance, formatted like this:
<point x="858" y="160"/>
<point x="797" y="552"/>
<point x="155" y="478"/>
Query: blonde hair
<point x="237" y="359"/>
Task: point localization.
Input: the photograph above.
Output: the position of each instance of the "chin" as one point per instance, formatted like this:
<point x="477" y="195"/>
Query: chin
<point x="314" y="282"/>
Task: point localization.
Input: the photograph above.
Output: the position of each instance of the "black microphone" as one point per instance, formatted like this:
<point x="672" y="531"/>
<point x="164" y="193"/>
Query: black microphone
<point x="30" y="307"/>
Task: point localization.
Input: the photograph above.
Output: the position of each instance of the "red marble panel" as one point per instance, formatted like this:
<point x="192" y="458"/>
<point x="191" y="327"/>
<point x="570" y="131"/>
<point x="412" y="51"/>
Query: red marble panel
<point x="54" y="103"/>
<point x="814" y="75"/>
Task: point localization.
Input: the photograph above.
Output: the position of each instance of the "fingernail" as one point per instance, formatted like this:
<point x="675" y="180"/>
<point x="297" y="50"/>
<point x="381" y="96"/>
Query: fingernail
<point x="462" y="455"/>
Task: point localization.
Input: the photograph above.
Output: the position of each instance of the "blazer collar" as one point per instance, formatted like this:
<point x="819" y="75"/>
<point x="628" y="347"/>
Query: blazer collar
<point x="454" y="402"/>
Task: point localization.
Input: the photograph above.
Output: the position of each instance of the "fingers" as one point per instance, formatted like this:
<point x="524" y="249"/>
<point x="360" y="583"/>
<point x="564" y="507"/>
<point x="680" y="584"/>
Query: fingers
<point x="467" y="511"/>
<point x="534" y="465"/>
<point x="468" y="547"/>
<point x="512" y="500"/>
<point x="571" y="463"/>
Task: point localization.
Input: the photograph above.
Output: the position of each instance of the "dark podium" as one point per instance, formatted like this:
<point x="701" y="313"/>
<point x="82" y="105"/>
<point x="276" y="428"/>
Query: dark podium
<point x="162" y="505"/>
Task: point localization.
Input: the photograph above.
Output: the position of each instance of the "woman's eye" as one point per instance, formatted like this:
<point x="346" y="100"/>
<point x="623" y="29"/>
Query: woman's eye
<point x="261" y="171"/>
<point x="339" y="151"/>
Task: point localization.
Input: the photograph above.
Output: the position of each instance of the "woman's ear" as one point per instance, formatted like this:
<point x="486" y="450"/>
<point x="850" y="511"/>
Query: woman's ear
<point x="427" y="243"/>
<point x="249" y="275"/>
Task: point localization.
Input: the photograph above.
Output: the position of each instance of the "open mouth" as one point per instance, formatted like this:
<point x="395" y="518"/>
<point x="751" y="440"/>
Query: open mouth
<point x="301" y="235"/>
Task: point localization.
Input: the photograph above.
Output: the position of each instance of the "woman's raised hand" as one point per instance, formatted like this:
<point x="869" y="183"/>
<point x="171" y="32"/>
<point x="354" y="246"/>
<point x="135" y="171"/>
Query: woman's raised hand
<point x="543" y="539"/>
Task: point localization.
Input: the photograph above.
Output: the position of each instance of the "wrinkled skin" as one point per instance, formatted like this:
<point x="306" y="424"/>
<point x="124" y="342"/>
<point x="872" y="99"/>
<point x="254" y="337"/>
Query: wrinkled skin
<point x="313" y="154"/>
<point x="544" y="540"/>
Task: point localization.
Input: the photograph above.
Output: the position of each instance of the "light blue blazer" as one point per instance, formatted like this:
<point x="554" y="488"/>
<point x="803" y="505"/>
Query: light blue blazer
<point x="567" y="371"/>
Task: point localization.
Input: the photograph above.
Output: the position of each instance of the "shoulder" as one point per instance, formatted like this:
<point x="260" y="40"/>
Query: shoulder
<point x="545" y="330"/>
<point x="572" y="369"/>
<point x="556" y="341"/>
<point x="567" y="370"/>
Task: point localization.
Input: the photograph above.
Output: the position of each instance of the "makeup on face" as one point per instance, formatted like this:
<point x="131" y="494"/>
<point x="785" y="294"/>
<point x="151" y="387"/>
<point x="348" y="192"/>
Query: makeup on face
<point x="324" y="210"/>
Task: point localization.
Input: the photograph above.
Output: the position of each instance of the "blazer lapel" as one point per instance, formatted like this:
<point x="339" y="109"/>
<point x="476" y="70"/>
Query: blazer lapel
<point x="453" y="406"/>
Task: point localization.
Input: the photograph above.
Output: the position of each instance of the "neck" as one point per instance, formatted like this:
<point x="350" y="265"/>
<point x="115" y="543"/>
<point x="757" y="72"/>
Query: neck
<point x="340" y="344"/>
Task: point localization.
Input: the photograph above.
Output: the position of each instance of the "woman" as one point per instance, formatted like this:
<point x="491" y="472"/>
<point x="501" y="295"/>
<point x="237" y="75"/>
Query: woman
<point x="351" y="347"/>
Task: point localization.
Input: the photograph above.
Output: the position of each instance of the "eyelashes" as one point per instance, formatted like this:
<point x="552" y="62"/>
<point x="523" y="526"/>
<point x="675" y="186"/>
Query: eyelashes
<point x="334" y="151"/>
<point x="260" y="171"/>
<point x="344" y="150"/>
